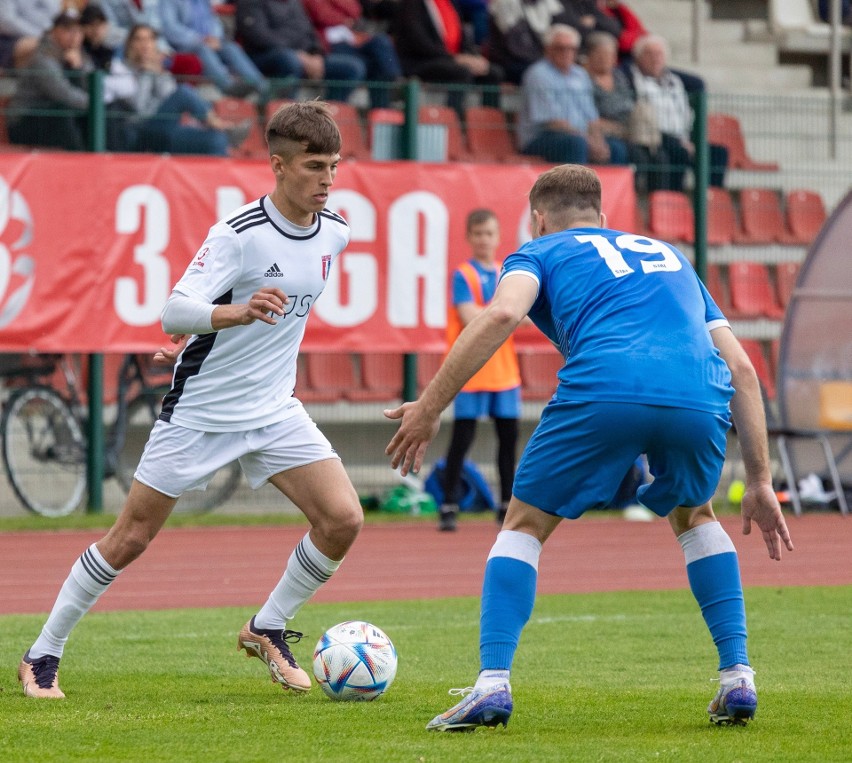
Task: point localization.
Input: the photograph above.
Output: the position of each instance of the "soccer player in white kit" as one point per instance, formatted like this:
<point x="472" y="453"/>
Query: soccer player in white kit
<point x="243" y="302"/>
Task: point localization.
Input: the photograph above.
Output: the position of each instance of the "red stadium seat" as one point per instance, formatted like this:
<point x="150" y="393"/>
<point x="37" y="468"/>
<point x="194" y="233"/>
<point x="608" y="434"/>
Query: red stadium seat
<point x="752" y="295"/>
<point x="447" y="117"/>
<point x="786" y="275"/>
<point x="381" y="377"/>
<point x="722" y="224"/>
<point x="489" y="138"/>
<point x="428" y="364"/>
<point x="725" y="130"/>
<point x="763" y="222"/>
<point x="805" y="215"/>
<point x="235" y="111"/>
<point x="670" y="216"/>
<point x="754" y="350"/>
<point x="715" y="284"/>
<point x="538" y="373"/>
<point x="353" y="144"/>
<point x="329" y="376"/>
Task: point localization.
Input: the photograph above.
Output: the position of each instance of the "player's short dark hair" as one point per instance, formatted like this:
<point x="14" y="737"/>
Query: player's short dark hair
<point x="306" y="125"/>
<point x="477" y="217"/>
<point x="570" y="190"/>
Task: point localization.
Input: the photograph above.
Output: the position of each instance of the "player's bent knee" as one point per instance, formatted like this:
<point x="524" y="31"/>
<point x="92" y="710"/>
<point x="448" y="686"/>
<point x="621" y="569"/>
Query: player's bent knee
<point x="686" y="518"/>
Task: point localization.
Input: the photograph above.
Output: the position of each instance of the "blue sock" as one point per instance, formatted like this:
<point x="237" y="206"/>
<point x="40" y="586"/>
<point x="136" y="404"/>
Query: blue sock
<point x="714" y="577"/>
<point x="508" y="595"/>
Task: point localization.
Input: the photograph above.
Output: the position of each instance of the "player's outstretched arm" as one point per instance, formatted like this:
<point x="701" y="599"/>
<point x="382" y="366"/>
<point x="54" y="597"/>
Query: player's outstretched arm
<point x="759" y="503"/>
<point x="478" y="341"/>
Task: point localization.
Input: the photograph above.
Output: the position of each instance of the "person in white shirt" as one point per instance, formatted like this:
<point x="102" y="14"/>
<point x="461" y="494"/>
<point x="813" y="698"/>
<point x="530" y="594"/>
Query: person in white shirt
<point x="664" y="90"/>
<point x="243" y="302"/>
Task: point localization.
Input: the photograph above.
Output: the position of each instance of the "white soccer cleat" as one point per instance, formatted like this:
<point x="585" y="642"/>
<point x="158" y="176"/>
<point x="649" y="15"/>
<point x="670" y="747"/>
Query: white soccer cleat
<point x="736" y="701"/>
<point x="492" y="707"/>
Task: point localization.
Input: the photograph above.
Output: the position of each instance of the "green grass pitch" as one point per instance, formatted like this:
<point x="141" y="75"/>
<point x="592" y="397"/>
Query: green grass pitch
<point x="598" y="677"/>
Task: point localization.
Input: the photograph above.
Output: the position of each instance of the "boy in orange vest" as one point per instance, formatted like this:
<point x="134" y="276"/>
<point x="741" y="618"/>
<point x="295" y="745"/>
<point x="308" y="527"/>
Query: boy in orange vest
<point x="495" y="390"/>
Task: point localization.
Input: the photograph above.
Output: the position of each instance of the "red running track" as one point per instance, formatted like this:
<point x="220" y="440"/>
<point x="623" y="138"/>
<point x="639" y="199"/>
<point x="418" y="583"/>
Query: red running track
<point x="238" y="566"/>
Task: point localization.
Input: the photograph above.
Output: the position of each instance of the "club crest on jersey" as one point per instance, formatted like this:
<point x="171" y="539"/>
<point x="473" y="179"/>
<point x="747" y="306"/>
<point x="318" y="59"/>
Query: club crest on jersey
<point x="326" y="266"/>
<point x="274" y="272"/>
<point x="198" y="262"/>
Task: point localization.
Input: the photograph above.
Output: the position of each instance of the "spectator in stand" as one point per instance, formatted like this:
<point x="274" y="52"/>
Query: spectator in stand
<point x="631" y="27"/>
<point x="621" y="115"/>
<point x="517" y="29"/>
<point x="123" y="15"/>
<point x="49" y="105"/>
<point x="191" y="26"/>
<point x="340" y="24"/>
<point x="28" y="18"/>
<point x="558" y="120"/>
<point x="432" y="46"/>
<point x="664" y="90"/>
<point x="587" y="16"/>
<point x="22" y="23"/>
<point x="474" y="13"/>
<point x="282" y="42"/>
<point x="96" y="37"/>
<point x="156" y="104"/>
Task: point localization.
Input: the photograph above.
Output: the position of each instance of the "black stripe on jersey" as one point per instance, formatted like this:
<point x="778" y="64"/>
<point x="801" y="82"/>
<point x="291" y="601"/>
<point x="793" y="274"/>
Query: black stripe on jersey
<point x="190" y="363"/>
<point x="253" y="212"/>
<point x="283" y="232"/>
<point x="250" y="224"/>
<point x="334" y="216"/>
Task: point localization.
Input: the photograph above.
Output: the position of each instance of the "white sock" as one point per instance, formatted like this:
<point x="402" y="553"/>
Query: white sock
<point x="90" y="577"/>
<point x="307" y="569"/>
<point x="490" y="678"/>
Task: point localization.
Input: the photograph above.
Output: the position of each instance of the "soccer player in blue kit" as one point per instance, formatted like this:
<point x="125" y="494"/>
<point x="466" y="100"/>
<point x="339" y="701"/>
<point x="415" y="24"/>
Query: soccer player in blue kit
<point x="651" y="367"/>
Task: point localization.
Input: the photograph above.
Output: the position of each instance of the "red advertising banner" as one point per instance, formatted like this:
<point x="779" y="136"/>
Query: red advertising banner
<point x="91" y="245"/>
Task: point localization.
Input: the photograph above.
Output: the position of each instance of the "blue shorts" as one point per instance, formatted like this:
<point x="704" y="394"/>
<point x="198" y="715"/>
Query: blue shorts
<point x="505" y="404"/>
<point x="580" y="452"/>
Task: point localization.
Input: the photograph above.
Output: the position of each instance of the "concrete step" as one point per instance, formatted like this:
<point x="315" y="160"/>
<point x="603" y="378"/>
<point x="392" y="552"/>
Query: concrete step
<point x="745" y="54"/>
<point x="736" y="78"/>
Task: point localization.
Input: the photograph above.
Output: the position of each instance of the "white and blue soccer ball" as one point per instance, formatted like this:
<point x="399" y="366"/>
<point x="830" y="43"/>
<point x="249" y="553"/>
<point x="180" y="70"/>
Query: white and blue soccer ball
<point x="354" y="661"/>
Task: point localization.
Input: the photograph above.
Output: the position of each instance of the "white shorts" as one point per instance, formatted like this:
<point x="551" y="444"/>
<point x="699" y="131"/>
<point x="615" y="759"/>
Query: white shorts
<point x="177" y="459"/>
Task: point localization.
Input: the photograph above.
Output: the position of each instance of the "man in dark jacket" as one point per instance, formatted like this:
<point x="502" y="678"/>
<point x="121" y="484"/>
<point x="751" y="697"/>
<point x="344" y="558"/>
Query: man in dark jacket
<point x="281" y="40"/>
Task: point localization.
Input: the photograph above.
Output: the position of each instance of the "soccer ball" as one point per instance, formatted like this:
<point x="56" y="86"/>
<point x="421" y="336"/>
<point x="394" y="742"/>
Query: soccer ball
<point x="354" y="661"/>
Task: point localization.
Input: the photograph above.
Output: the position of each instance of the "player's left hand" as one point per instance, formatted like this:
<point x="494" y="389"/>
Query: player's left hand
<point x="416" y="430"/>
<point x="761" y="505"/>
<point x="166" y="356"/>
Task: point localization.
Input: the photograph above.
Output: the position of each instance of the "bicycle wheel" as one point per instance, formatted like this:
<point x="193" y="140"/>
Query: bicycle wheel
<point x="44" y="451"/>
<point x="142" y="412"/>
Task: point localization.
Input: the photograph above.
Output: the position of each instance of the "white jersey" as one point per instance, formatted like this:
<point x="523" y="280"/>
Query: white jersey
<point x="243" y="377"/>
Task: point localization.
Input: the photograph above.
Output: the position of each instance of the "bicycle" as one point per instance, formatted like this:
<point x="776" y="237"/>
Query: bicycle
<point x="44" y="440"/>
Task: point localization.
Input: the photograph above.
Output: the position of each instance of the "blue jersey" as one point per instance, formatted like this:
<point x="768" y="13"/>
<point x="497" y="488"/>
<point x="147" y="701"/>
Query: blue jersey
<point x="487" y="279"/>
<point x="631" y="317"/>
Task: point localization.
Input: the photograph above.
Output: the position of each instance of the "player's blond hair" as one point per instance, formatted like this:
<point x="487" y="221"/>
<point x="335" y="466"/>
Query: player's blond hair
<point x="569" y="193"/>
<point x="302" y="125"/>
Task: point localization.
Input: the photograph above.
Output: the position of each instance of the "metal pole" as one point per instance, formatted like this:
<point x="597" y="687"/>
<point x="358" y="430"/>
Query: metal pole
<point x="702" y="180"/>
<point x="95" y="455"/>
<point x="834" y="66"/>
<point x="697" y="27"/>
<point x="409" y="148"/>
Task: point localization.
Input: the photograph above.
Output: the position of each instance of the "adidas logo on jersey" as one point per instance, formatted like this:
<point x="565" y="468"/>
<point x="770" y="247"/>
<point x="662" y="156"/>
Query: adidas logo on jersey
<point x="274" y="272"/>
